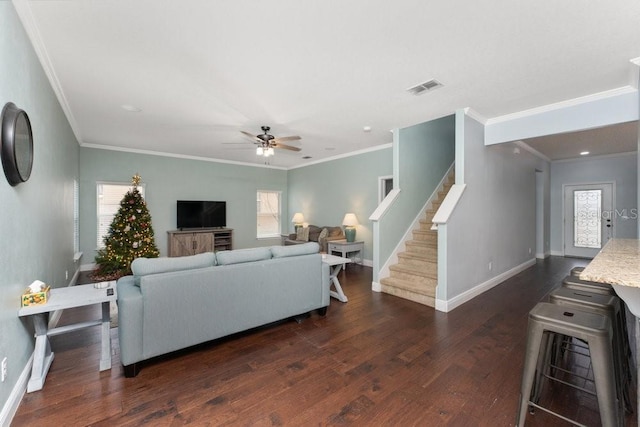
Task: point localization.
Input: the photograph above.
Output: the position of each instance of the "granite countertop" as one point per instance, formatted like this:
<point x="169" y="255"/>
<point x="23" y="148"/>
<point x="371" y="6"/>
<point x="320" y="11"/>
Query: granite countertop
<point x="618" y="263"/>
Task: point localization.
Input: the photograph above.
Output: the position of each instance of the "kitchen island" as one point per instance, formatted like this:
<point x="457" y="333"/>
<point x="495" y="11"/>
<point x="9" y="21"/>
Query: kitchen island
<point x="618" y="264"/>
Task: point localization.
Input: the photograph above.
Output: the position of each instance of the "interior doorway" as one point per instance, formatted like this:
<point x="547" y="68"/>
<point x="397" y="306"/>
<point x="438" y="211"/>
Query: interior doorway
<point x="588" y="218"/>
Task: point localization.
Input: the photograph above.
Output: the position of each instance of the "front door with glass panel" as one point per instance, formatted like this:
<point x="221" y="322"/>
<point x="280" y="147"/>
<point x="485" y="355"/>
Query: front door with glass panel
<point x="588" y="219"/>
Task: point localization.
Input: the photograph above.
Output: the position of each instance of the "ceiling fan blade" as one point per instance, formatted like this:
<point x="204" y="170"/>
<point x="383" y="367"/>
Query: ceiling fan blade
<point x="286" y="138"/>
<point x="286" y="147"/>
<point x="253" y="137"/>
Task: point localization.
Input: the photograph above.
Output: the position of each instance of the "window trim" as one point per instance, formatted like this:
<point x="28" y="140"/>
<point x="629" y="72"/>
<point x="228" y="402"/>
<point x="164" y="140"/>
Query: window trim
<point x="141" y="188"/>
<point x="279" y="219"/>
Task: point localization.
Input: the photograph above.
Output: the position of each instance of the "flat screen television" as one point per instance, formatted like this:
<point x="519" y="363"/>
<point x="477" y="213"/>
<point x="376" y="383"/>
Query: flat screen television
<point x="201" y="214"/>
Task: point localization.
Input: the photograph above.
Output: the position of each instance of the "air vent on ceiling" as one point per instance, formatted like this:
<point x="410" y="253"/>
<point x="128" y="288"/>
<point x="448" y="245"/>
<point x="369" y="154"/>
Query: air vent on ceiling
<point x="424" y="87"/>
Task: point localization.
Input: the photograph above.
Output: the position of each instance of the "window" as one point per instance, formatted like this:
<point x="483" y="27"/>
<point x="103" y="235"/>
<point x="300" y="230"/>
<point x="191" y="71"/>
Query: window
<point x="109" y="197"/>
<point x="268" y="210"/>
<point x="385" y="185"/>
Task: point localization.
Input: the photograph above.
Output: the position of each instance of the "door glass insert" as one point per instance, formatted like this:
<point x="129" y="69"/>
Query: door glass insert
<point x="587" y="219"/>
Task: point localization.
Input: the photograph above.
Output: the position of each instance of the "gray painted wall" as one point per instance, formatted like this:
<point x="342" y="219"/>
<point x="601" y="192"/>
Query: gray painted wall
<point x="169" y="179"/>
<point x="324" y="192"/>
<point x="495" y="220"/>
<point x="621" y="169"/>
<point x="424" y="153"/>
<point x="36" y="220"/>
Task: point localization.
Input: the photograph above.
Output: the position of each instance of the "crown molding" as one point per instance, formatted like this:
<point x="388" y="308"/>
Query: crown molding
<point x="177" y="156"/>
<point x="562" y="104"/>
<point x="475" y="115"/>
<point x="342" y="156"/>
<point x="23" y="9"/>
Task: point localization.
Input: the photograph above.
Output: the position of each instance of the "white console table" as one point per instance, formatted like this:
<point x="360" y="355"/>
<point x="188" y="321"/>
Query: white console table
<point x="59" y="299"/>
<point x="335" y="265"/>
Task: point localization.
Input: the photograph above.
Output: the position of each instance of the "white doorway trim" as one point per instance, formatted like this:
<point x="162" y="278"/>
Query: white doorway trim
<point x="565" y="208"/>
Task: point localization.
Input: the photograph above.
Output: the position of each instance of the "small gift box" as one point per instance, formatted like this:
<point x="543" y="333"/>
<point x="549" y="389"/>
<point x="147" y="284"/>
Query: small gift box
<point x="37" y="293"/>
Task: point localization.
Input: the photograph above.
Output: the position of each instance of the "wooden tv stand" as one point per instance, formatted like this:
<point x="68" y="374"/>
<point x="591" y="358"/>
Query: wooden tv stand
<point x="195" y="241"/>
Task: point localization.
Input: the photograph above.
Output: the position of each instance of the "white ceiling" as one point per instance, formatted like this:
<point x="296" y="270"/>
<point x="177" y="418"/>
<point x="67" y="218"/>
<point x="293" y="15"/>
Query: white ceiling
<point x="203" y="70"/>
<point x="614" y="139"/>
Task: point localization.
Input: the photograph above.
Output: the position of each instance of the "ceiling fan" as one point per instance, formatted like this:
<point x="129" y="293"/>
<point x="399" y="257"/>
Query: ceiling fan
<point x="266" y="142"/>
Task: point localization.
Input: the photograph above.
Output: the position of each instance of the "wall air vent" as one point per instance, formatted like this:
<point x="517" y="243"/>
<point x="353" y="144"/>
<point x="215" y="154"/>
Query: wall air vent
<point x="424" y="87"/>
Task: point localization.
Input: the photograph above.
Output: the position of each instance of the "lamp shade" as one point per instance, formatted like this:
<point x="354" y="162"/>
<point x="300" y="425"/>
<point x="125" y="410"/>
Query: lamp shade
<point x="350" y="220"/>
<point x="298" y="218"/>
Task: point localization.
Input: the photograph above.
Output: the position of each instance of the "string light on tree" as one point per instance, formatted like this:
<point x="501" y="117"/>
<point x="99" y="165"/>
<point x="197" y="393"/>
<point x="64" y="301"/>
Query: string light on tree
<point x="130" y="236"/>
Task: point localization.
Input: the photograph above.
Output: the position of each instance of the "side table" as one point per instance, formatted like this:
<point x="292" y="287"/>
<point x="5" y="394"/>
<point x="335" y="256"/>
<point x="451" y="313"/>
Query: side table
<point x="59" y="299"/>
<point x="335" y="265"/>
<point x="346" y="249"/>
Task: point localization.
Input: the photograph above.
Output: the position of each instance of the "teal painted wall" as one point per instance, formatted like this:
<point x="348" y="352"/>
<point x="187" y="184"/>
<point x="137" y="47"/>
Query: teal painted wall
<point x="324" y="192"/>
<point x="424" y="154"/>
<point x="169" y="179"/>
<point x="36" y="219"/>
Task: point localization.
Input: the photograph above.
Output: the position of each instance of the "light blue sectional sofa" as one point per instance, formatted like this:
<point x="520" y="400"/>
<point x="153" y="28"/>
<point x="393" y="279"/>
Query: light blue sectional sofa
<point x="172" y="303"/>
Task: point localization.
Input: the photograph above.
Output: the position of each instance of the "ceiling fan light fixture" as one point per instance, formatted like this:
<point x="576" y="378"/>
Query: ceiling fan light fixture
<point x="259" y="151"/>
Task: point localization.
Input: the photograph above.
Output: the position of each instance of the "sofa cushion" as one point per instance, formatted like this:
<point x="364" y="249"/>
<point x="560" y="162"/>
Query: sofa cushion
<point x="324" y="233"/>
<point x="314" y="231"/>
<point x="302" y="234"/>
<point x="334" y="231"/>
<point x="295" y="250"/>
<point x="242" y="255"/>
<point x="145" y="266"/>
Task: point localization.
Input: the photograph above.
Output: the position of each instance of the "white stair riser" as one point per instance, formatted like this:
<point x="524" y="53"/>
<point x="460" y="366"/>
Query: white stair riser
<point x="425" y="278"/>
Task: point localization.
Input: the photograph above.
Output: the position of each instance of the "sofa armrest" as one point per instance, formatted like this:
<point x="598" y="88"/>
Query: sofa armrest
<point x="130" y="320"/>
<point x="323" y="242"/>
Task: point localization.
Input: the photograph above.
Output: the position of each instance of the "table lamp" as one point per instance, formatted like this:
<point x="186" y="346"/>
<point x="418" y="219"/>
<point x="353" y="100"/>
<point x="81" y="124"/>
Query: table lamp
<point x="350" y="221"/>
<point x="297" y="220"/>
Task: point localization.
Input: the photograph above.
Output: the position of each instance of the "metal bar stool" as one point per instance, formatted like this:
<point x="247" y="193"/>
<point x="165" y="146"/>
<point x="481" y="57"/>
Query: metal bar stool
<point x="605" y="289"/>
<point x="612" y="307"/>
<point x="596" y="331"/>
<point x="595" y="287"/>
<point x="575" y="271"/>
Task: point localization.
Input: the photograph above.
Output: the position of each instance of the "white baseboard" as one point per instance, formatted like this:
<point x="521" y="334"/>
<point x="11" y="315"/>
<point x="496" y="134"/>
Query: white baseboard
<point x="15" y="397"/>
<point x="448" y="305"/>
<point x="376" y="287"/>
<point x="87" y="267"/>
<point x="557" y="253"/>
<point x="543" y="256"/>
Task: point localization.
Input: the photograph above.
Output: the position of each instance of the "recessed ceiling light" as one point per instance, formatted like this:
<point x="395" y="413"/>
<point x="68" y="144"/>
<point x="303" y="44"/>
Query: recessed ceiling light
<point x="367" y="128"/>
<point x="584" y="153"/>
<point x="131" y="108"/>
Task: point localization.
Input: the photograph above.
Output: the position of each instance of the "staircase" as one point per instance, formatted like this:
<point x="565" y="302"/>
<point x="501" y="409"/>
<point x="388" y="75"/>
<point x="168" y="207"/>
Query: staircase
<point x="415" y="276"/>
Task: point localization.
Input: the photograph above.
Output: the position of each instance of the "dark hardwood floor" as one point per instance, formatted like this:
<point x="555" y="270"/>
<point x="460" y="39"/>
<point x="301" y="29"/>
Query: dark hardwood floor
<point x="376" y="360"/>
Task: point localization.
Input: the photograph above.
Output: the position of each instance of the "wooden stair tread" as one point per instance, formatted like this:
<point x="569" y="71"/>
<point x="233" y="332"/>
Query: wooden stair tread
<point x="421" y="243"/>
<point x="417" y="256"/>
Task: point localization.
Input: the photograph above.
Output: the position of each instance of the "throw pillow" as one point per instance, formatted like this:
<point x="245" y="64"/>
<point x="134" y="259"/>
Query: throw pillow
<point x="324" y="233"/>
<point x="303" y="234"/>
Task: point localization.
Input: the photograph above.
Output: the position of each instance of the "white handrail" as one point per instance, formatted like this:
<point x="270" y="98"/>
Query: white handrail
<point x="448" y="204"/>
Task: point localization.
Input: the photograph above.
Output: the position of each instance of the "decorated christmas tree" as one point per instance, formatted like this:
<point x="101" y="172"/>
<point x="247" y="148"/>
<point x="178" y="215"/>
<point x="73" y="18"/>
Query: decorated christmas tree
<point x="130" y="236"/>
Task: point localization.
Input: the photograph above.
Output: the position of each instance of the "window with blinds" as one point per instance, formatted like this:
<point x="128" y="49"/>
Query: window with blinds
<point x="268" y="213"/>
<point x="109" y="197"/>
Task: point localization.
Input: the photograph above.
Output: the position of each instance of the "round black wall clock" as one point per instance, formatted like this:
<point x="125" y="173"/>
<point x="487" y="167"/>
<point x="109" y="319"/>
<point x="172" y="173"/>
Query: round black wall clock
<point x="16" y="142"/>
